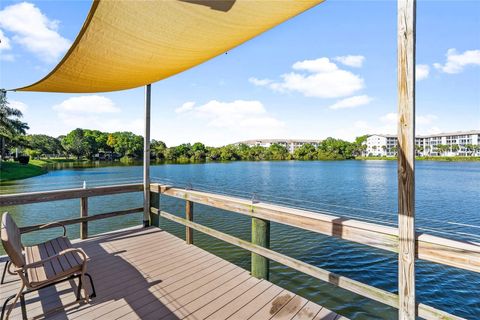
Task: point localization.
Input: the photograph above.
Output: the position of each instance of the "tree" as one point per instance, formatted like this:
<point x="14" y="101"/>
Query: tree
<point x="229" y="153"/>
<point x="126" y="144"/>
<point x="158" y="148"/>
<point x="199" y="152"/>
<point x="41" y="144"/>
<point x="10" y="124"/>
<point x="75" y="144"/>
<point x="358" y="147"/>
<point x="278" y="152"/>
<point x="305" y="152"/>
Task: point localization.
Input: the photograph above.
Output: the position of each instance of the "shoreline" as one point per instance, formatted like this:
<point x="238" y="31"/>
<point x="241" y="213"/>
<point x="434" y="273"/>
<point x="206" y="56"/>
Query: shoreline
<point x="12" y="171"/>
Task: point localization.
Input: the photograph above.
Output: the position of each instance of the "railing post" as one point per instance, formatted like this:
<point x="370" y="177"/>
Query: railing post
<point x="260" y="236"/>
<point x="155" y="203"/>
<point x="84" y="213"/>
<point x="406" y="159"/>
<point x="189" y="217"/>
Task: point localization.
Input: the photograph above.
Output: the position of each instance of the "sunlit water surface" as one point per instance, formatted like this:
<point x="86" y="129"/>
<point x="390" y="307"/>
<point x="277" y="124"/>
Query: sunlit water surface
<point x="447" y="199"/>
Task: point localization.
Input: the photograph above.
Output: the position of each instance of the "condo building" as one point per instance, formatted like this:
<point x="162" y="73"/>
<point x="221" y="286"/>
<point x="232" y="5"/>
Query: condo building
<point x="461" y="143"/>
<point x="290" y="144"/>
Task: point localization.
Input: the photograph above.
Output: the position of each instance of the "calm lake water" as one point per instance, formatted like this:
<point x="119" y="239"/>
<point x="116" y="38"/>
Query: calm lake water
<point x="447" y="198"/>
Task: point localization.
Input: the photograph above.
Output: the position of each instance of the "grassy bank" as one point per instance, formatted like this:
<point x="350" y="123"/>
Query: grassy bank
<point x="446" y="159"/>
<point x="16" y="171"/>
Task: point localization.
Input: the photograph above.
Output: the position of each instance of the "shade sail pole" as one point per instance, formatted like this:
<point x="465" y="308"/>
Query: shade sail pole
<point x="406" y="158"/>
<point x="146" y="158"/>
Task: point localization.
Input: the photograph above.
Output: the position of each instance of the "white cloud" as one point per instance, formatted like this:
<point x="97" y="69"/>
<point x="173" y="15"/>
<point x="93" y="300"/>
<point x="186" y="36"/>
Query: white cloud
<point x="4" y="42"/>
<point x="351" y="61"/>
<point x="87" y="104"/>
<point x="389" y="117"/>
<point x="34" y="31"/>
<point x="323" y="80"/>
<point x="18" y="105"/>
<point x="241" y="117"/>
<point x="426" y="119"/>
<point x="187" y="106"/>
<point x="420" y="119"/>
<point x="320" y="65"/>
<point x="351" y="102"/>
<point x="93" y="112"/>
<point x="71" y="121"/>
<point x="5" y="46"/>
<point x="422" y="71"/>
<point x="423" y="124"/>
<point x="260" y="82"/>
<point x="456" y="62"/>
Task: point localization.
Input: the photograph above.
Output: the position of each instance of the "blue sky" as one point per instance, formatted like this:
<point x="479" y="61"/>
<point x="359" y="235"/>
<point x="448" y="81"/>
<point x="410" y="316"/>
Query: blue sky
<point x="328" y="72"/>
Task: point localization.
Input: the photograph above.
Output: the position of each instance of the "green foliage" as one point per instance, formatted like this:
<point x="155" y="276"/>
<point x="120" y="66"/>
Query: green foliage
<point x="41" y="144"/>
<point x="11" y="127"/>
<point x="305" y="152"/>
<point x="76" y="143"/>
<point x="126" y="144"/>
<point x="158" y="149"/>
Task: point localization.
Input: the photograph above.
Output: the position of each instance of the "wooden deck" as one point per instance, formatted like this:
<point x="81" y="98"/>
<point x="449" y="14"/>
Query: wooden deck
<point x="151" y="274"/>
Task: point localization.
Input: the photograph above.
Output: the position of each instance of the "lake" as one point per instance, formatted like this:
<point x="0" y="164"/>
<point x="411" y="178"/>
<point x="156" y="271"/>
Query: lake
<point x="447" y="200"/>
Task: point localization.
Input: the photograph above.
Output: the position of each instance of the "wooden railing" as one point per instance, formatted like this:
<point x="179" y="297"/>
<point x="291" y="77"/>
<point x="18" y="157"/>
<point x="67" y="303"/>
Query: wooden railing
<point x="80" y="193"/>
<point x="431" y="248"/>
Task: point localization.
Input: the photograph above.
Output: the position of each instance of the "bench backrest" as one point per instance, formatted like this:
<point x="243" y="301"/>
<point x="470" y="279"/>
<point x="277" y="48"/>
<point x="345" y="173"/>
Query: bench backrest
<point x="11" y="240"/>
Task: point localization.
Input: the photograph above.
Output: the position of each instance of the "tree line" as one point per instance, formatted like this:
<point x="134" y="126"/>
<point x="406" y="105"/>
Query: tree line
<point x="87" y="144"/>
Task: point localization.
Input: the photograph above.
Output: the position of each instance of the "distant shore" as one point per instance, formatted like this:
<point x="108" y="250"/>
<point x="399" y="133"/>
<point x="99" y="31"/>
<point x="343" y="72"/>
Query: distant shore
<point x="445" y="159"/>
<point x="11" y="171"/>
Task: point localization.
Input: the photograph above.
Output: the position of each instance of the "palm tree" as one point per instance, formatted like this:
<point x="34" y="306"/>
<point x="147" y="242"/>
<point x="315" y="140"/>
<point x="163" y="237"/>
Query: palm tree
<point x="10" y="124"/>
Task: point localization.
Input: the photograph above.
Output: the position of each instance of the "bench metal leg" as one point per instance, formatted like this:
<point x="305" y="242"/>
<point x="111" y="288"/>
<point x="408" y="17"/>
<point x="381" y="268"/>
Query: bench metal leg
<point x="4" y="272"/>
<point x="23" y="306"/>
<point x="79" y="289"/>
<point x="4" y="307"/>
<point x="94" y="294"/>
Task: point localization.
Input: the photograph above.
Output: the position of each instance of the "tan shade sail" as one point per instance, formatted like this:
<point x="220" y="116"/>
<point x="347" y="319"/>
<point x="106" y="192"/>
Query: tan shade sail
<point x="126" y="44"/>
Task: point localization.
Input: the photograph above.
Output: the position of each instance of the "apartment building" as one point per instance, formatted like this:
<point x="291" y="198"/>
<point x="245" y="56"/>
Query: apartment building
<point x="290" y="144"/>
<point x="461" y="143"/>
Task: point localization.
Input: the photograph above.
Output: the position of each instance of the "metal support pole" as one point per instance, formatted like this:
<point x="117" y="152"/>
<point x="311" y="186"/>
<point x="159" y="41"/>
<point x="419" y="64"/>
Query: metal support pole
<point x="146" y="158"/>
<point x="406" y="159"/>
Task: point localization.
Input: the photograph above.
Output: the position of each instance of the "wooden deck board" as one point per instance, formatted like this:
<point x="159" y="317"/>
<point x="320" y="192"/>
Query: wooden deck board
<point x="151" y="274"/>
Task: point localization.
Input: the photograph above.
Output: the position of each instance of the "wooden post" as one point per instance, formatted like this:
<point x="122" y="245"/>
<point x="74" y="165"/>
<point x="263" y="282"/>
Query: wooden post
<point x="406" y="158"/>
<point x="84" y="213"/>
<point x="260" y="236"/>
<point x="146" y="158"/>
<point x="155" y="203"/>
<point x="189" y="217"/>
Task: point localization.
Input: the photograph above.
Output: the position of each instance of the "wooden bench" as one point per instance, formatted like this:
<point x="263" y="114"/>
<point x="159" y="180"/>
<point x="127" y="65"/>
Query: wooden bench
<point x="42" y="265"/>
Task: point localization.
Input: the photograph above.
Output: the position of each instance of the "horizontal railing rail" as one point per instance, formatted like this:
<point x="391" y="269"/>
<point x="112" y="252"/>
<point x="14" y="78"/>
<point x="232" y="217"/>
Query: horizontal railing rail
<point x="66" y="222"/>
<point x="454" y="253"/>
<point x="79" y="193"/>
<point x="464" y="255"/>
<point x="56" y="195"/>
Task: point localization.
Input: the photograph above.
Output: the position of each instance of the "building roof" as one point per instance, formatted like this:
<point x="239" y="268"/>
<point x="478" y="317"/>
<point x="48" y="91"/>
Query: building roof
<point x="127" y="44"/>
<point x="278" y="141"/>
<point x="443" y="134"/>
